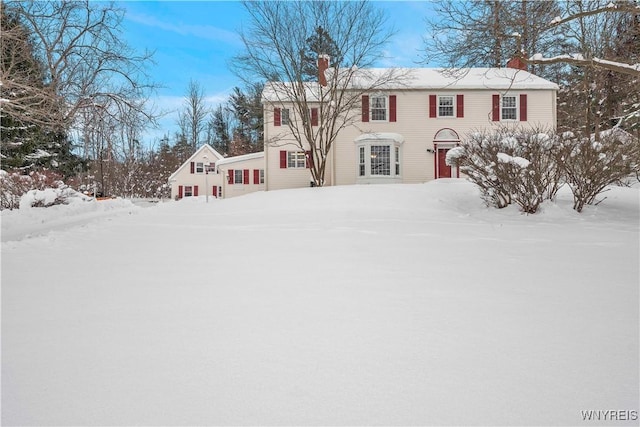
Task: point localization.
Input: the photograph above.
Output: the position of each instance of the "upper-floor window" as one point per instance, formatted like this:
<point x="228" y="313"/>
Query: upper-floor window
<point x="509" y="108"/>
<point x="445" y="106"/>
<point x="284" y="116"/>
<point x="378" y="107"/>
<point x="199" y="167"/>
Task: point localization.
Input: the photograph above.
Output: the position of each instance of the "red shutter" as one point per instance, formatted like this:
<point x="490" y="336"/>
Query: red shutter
<point x="180" y="191"/>
<point x="392" y="108"/>
<point x="256" y="176"/>
<point x="230" y="176"/>
<point x="195" y="191"/>
<point x="460" y="106"/>
<point x="245" y="176"/>
<point x="314" y="117"/>
<point x="523" y="108"/>
<point x="433" y="106"/>
<point x="214" y="191"/>
<point x="193" y="167"/>
<point x="309" y="158"/>
<point x="365" y="108"/>
<point x="276" y="117"/>
<point x="495" y="108"/>
<point x="283" y="159"/>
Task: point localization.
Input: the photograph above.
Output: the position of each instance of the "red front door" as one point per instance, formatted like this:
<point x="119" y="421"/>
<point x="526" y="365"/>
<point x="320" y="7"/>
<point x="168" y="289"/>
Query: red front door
<point x="444" y="170"/>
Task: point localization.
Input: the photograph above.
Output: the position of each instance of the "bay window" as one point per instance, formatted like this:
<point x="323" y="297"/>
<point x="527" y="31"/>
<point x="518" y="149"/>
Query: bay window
<point x="378" y="158"/>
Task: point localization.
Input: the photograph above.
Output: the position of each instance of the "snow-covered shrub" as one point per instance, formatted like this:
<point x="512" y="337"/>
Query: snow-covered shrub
<point x="590" y="164"/>
<point x="510" y="165"/>
<point x="49" y="197"/>
<point x="13" y="185"/>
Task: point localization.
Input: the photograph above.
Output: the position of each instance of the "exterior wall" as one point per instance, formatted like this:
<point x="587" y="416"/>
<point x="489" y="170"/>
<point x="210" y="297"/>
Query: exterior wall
<point x="184" y="177"/>
<point x="238" y="189"/>
<point x="414" y="123"/>
<point x="278" y="178"/>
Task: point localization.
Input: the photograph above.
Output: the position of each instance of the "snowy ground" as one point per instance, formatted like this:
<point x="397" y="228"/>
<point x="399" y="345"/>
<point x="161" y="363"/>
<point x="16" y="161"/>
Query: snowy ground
<point x="364" y="305"/>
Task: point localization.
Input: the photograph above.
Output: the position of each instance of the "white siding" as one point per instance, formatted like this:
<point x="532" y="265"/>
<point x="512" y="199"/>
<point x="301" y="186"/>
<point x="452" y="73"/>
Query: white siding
<point x="417" y="128"/>
<point x="236" y="189"/>
<point x="184" y="177"/>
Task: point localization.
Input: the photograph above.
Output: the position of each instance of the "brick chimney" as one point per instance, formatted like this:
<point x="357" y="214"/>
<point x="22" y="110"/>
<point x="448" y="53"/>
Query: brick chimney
<point x="517" y="63"/>
<point x="323" y="64"/>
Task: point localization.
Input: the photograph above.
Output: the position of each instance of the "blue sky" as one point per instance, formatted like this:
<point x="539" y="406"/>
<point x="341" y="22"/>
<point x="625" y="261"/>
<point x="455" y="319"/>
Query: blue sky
<point x="196" y="40"/>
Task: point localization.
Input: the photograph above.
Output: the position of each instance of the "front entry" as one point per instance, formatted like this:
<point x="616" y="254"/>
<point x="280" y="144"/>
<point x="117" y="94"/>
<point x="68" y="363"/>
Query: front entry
<point x="444" y="140"/>
<point x="444" y="170"/>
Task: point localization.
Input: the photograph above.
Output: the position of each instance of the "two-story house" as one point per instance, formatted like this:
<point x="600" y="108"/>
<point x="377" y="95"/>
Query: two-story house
<point x="402" y="133"/>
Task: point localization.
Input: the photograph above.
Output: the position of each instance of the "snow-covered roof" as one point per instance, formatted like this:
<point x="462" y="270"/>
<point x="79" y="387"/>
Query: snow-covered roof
<point x="469" y="78"/>
<point x="379" y="136"/>
<point x="422" y="78"/>
<point x="241" y="158"/>
<point x="195" y="155"/>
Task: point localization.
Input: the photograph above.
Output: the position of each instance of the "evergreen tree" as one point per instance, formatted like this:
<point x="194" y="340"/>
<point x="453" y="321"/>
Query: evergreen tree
<point x="25" y="144"/>
<point x="246" y="107"/>
<point x="320" y="43"/>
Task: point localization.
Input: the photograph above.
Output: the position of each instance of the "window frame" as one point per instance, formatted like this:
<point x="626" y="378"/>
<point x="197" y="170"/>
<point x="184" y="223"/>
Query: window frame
<point x="385" y="109"/>
<point x="296" y="160"/>
<point x="452" y="106"/>
<point x="515" y="108"/>
<point x="199" y="168"/>
<point x="365" y="162"/>
<point x="381" y="157"/>
<point x="235" y="176"/>
<point x="261" y="176"/>
<point x="285" y="118"/>
<point x="188" y="191"/>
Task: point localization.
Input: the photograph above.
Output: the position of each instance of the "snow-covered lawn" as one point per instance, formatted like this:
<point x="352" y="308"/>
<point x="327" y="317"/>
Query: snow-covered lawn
<point x="364" y="305"/>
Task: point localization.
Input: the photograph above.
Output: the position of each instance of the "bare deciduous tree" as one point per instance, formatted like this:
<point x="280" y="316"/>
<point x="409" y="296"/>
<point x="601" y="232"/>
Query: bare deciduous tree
<point x="482" y="33"/>
<point x="192" y="119"/>
<point x="595" y="21"/>
<point x="84" y="58"/>
<point x="276" y="44"/>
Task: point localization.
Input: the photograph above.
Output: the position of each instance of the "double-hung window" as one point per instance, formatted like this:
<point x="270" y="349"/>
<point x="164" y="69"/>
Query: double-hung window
<point x="509" y="108"/>
<point x="284" y="116"/>
<point x="188" y="191"/>
<point x="361" y="161"/>
<point x="237" y="178"/>
<point x="378" y="108"/>
<point x="199" y="167"/>
<point x="296" y="159"/>
<point x="445" y="106"/>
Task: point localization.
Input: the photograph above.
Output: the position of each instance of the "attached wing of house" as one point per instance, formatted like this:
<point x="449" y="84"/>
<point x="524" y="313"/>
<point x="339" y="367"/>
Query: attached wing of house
<point x="242" y="174"/>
